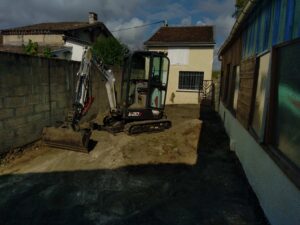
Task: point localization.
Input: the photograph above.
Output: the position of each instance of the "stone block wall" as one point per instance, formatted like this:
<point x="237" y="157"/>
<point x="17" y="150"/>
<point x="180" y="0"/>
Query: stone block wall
<point x="36" y="92"/>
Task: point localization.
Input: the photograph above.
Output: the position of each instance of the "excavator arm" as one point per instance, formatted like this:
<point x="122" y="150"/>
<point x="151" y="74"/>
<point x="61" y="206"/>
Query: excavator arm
<point x="83" y="99"/>
<point x="69" y="135"/>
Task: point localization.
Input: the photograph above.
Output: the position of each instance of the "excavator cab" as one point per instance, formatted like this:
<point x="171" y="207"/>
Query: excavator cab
<point x="144" y="86"/>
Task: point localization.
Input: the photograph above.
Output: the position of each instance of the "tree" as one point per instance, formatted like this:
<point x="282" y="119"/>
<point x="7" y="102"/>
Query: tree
<point x="110" y="50"/>
<point x="239" y="4"/>
<point x="31" y="48"/>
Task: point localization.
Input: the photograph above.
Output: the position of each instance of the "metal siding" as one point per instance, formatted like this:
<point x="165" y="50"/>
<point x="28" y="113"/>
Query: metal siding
<point x="290" y="10"/>
<point x="271" y="23"/>
<point x="258" y="33"/>
<point x="252" y="42"/>
<point x="296" y="24"/>
<point x="276" y="22"/>
<point x="268" y="16"/>
<point x="281" y="30"/>
<point x="244" y="43"/>
<point x="247" y="42"/>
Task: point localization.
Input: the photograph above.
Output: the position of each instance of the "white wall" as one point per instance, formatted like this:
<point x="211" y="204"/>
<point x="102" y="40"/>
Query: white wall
<point x="77" y="50"/>
<point x="278" y="196"/>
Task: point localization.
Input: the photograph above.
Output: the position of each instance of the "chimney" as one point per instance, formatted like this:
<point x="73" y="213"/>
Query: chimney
<point x="93" y="18"/>
<point x="166" y="23"/>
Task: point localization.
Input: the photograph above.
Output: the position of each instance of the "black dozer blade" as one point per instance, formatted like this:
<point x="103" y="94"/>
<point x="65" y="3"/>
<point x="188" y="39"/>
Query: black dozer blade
<point x="66" y="138"/>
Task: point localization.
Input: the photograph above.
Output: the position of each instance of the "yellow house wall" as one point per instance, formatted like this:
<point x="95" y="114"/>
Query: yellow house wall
<point x="41" y="39"/>
<point x="201" y="60"/>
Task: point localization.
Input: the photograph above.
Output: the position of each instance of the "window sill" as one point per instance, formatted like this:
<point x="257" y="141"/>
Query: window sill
<point x="187" y="90"/>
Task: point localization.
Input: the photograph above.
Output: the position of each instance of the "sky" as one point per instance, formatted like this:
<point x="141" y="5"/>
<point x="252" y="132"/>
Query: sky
<point x="120" y="14"/>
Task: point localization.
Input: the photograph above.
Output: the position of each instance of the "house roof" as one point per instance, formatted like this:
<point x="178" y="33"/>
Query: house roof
<point x="53" y="28"/>
<point x="190" y="35"/>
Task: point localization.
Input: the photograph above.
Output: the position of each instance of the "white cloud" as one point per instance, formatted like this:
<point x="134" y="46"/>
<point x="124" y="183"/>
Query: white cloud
<point x="200" y="23"/>
<point x="187" y="21"/>
<point x="132" y="37"/>
<point x="222" y="23"/>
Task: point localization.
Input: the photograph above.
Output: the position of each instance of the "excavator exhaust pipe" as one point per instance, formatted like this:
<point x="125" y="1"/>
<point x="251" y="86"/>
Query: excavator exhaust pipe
<point x="64" y="137"/>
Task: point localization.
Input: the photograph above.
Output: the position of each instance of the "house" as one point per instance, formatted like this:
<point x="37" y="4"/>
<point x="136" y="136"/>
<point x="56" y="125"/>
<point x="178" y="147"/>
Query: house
<point x="65" y="39"/>
<point x="260" y="103"/>
<point x="190" y="50"/>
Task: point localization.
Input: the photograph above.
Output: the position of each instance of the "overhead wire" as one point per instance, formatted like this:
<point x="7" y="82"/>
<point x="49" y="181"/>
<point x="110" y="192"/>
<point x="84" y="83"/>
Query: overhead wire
<point x="144" y="25"/>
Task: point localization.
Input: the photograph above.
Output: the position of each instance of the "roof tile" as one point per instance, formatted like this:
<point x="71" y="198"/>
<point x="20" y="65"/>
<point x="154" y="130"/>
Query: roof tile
<point x="190" y="34"/>
<point x="59" y="27"/>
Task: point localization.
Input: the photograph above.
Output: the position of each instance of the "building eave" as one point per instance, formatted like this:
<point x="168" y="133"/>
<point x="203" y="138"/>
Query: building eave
<point x="238" y="23"/>
<point x="76" y="40"/>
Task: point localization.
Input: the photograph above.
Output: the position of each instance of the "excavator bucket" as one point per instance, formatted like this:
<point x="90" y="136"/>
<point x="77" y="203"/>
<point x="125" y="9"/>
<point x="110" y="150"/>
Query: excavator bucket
<point x="66" y="138"/>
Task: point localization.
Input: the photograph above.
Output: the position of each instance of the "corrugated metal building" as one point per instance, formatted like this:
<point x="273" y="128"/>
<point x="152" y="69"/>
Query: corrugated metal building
<point x="260" y="102"/>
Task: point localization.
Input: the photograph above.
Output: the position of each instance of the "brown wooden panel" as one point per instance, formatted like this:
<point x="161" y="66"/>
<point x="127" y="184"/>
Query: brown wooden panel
<point x="233" y="57"/>
<point x="247" y="75"/>
<point x="246" y="83"/>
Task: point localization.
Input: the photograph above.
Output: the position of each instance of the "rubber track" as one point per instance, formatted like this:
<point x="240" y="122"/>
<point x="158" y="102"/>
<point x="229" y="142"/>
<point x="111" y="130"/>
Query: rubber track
<point x="147" y="126"/>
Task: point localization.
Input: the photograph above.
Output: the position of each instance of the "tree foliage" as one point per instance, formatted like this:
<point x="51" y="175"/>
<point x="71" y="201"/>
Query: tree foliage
<point x="239" y="4"/>
<point x="31" y="48"/>
<point x="110" y="50"/>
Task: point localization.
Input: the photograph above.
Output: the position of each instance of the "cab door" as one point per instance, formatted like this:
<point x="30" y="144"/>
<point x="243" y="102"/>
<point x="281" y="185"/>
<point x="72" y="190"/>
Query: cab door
<point x="158" y="82"/>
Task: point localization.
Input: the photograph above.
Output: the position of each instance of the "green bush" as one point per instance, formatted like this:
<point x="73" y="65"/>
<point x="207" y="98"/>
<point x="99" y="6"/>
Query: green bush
<point x="47" y="52"/>
<point x="31" y="48"/>
<point x="110" y="50"/>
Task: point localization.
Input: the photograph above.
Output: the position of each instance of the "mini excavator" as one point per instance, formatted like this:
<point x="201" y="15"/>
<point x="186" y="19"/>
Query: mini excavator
<point x="143" y="94"/>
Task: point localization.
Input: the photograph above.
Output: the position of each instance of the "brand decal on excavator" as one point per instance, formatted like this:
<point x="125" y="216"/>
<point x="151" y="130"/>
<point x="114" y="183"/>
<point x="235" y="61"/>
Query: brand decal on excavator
<point x="134" y="114"/>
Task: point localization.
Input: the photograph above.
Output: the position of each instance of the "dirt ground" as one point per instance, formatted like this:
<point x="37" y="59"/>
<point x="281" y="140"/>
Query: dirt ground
<point x="171" y="177"/>
<point x="175" y="145"/>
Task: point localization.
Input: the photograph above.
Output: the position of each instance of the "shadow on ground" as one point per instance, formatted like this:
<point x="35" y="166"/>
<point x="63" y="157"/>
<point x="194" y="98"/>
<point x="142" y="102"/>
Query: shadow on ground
<point x="214" y="191"/>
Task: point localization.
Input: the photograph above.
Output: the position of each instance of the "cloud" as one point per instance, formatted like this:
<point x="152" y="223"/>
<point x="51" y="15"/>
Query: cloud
<point x="171" y="11"/>
<point x="216" y="6"/>
<point x="131" y="37"/>
<point x="118" y="14"/>
<point x="114" y="13"/>
<point x="222" y="23"/>
<point x="221" y="18"/>
<point x="187" y="21"/>
<point x="200" y="23"/>
<point x="18" y="12"/>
